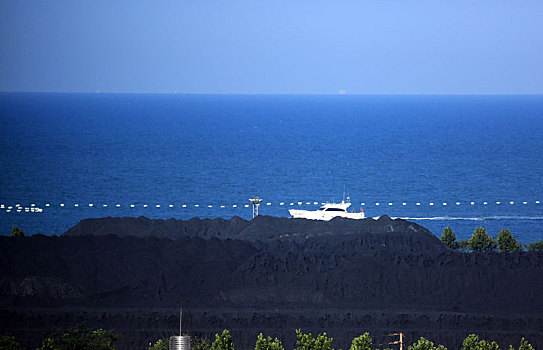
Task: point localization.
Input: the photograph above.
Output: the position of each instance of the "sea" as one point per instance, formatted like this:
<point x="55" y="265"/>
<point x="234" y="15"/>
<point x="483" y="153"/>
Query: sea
<point x="458" y="161"/>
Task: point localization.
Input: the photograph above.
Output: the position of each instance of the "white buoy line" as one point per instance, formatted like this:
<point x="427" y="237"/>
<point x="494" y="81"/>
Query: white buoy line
<point x="33" y="208"/>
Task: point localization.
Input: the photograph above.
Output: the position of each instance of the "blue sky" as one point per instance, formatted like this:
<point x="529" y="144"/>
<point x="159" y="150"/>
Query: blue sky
<point x="200" y="46"/>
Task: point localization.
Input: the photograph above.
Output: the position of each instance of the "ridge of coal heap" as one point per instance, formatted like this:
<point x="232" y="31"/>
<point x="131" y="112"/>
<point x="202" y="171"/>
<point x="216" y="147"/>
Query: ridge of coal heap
<point x="268" y="274"/>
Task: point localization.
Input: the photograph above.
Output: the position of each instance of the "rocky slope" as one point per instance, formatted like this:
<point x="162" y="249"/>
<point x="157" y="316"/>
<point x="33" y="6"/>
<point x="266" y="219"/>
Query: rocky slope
<point x="269" y="274"/>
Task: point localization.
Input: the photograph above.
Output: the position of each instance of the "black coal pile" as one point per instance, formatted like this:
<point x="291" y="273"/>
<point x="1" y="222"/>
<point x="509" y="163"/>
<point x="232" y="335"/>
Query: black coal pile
<point x="269" y="275"/>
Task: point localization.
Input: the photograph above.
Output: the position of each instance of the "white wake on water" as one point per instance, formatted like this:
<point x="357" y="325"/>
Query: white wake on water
<point x="445" y="218"/>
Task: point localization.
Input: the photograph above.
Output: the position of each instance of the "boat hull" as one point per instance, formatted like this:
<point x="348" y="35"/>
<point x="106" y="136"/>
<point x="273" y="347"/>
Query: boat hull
<point x="323" y="215"/>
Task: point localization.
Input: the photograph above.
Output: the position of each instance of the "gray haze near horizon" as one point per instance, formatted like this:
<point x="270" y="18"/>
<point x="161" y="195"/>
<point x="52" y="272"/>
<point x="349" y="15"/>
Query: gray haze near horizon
<point x="362" y="47"/>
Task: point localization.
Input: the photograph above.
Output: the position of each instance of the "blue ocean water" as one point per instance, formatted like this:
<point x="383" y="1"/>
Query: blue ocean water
<point x="219" y="150"/>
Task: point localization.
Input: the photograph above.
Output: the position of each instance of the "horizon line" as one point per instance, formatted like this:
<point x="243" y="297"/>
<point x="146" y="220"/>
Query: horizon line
<point x="264" y="94"/>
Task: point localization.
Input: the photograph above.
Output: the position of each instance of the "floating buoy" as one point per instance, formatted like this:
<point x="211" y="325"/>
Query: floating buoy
<point x="34" y="208"/>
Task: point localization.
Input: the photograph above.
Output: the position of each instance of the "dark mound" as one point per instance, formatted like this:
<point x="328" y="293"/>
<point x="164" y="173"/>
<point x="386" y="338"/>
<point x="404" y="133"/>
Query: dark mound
<point x="172" y="228"/>
<point x="269" y="274"/>
<point x="261" y="228"/>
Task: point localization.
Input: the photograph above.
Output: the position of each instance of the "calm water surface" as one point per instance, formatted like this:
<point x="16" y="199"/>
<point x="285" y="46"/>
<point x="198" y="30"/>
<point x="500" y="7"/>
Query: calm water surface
<point x="219" y="150"/>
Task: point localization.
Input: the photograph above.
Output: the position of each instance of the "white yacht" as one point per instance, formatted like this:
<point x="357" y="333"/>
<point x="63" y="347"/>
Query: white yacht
<point x="327" y="212"/>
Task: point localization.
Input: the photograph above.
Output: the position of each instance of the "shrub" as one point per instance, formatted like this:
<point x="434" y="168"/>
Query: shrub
<point x="425" y="344"/>
<point x="223" y="341"/>
<point x="81" y="338"/>
<point x="197" y="343"/>
<point x="449" y="238"/>
<point x="462" y="245"/>
<point x="307" y="342"/>
<point x="363" y="342"/>
<point x="508" y="243"/>
<point x="267" y="343"/>
<point x="524" y="345"/>
<point x="472" y="342"/>
<point x="537" y="246"/>
<point x="481" y="241"/>
<point x="161" y="344"/>
<point x="8" y="343"/>
<point x="16" y="231"/>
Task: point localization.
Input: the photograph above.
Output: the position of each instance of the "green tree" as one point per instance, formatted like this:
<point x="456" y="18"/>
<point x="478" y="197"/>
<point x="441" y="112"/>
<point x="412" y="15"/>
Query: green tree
<point x="223" y="341"/>
<point x="462" y="244"/>
<point x="81" y="338"/>
<point x="267" y="343"/>
<point x="425" y="344"/>
<point x="524" y="345"/>
<point x="307" y="342"/>
<point x="363" y="342"/>
<point x="472" y="342"/>
<point x="16" y="231"/>
<point x="537" y="246"/>
<point x="197" y="343"/>
<point x="508" y="243"/>
<point x="8" y="343"/>
<point x="449" y="238"/>
<point x="161" y="344"/>
<point x="481" y="241"/>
